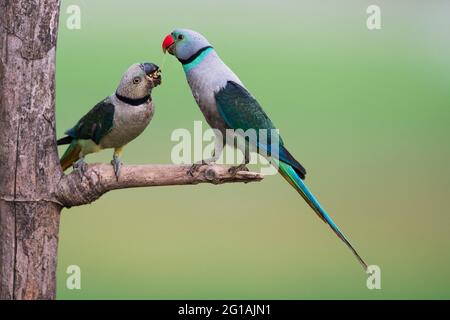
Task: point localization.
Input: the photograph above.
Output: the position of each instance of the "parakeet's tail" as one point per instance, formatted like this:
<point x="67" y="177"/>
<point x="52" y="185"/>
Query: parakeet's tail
<point x="71" y="155"/>
<point x="65" y="140"/>
<point x="293" y="178"/>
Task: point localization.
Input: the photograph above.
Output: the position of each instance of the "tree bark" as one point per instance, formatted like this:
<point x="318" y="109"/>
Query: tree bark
<point x="33" y="188"/>
<point x="28" y="156"/>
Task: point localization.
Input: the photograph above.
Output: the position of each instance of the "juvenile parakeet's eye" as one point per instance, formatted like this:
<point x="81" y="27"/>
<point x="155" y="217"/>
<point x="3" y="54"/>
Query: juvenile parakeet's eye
<point x="136" y="80"/>
<point x="180" y="37"/>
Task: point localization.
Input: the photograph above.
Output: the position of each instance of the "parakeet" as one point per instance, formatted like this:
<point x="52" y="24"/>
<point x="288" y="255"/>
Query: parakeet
<point x="227" y="104"/>
<point x="114" y="121"/>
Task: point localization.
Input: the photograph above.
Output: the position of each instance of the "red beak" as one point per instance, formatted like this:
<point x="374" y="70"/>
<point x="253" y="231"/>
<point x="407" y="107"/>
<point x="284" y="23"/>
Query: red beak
<point x="168" y="41"/>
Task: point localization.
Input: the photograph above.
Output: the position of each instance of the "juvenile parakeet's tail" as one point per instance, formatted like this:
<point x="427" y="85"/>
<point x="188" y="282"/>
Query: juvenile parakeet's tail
<point x="293" y="178"/>
<point x="71" y="155"/>
<point x="65" y="140"/>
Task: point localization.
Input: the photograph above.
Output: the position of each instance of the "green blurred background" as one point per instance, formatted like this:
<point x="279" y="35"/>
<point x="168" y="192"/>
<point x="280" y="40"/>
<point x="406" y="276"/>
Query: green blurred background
<point x="367" y="113"/>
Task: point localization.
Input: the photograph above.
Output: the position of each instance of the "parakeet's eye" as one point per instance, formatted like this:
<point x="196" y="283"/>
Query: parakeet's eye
<point x="136" y="80"/>
<point x="180" y="37"/>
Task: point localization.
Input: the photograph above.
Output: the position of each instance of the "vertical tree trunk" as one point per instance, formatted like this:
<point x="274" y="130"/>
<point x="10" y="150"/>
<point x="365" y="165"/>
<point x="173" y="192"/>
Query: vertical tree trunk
<point x="29" y="167"/>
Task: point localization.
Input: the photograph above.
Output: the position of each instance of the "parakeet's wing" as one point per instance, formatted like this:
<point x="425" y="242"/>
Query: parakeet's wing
<point x="240" y="110"/>
<point x="95" y="124"/>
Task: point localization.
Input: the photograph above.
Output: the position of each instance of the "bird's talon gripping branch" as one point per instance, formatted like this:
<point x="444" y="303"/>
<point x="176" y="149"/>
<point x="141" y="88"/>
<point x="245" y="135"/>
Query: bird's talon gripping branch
<point x="195" y="167"/>
<point x="117" y="165"/>
<point x="236" y="169"/>
<point x="80" y="166"/>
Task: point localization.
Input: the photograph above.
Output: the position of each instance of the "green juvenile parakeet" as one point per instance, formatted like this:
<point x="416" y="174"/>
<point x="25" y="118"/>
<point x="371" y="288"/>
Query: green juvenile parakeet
<point x="114" y="121"/>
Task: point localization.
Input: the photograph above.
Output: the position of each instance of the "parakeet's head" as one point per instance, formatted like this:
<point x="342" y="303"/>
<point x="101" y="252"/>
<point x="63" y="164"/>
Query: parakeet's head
<point x="138" y="81"/>
<point x="185" y="44"/>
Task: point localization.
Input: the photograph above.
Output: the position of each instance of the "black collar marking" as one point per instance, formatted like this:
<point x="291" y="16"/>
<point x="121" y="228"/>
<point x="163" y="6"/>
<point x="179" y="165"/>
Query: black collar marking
<point x="194" y="56"/>
<point x="133" y="102"/>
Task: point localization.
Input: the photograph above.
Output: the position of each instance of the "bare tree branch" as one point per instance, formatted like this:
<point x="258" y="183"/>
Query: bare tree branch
<point x="98" y="179"/>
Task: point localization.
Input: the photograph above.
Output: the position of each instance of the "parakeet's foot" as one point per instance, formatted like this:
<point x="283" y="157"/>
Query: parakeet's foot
<point x="81" y="166"/>
<point x="236" y="169"/>
<point x="196" y="166"/>
<point x="117" y="165"/>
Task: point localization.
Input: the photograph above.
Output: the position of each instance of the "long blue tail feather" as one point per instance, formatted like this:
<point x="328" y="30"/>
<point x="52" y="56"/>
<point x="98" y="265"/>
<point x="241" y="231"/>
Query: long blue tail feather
<point x="294" y="179"/>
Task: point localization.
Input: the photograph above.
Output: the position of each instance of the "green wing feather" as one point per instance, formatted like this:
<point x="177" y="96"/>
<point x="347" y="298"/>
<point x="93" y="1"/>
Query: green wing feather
<point x="95" y="124"/>
<point x="240" y="110"/>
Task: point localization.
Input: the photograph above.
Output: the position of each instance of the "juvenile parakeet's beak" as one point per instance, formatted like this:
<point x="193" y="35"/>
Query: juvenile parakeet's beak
<point x="168" y="44"/>
<point x="152" y="73"/>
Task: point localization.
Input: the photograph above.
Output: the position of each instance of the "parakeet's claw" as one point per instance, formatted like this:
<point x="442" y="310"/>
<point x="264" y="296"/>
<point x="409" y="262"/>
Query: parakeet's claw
<point x="236" y="169"/>
<point x="80" y="166"/>
<point x="117" y="165"/>
<point x="196" y="166"/>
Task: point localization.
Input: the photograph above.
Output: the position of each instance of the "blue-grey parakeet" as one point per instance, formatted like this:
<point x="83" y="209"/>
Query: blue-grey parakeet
<point x="227" y="104"/>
